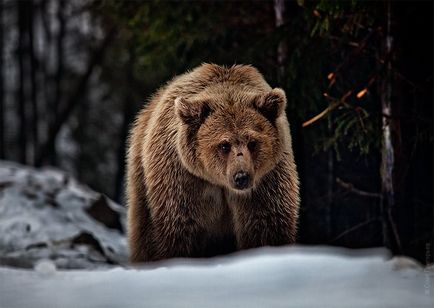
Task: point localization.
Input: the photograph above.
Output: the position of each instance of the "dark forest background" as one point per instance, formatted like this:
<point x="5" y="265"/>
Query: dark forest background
<point x="358" y="77"/>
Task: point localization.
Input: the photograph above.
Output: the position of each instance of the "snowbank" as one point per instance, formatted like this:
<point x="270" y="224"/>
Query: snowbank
<point x="46" y="214"/>
<point x="267" y="277"/>
<point x="49" y="222"/>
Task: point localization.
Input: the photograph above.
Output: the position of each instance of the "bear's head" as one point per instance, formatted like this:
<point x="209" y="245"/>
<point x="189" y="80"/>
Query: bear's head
<point x="232" y="140"/>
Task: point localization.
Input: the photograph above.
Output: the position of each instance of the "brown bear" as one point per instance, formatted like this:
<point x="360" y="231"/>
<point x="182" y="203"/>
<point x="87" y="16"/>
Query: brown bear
<point x="210" y="167"/>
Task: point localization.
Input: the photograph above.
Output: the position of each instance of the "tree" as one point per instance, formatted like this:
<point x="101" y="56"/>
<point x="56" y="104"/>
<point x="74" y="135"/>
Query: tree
<point x="388" y="144"/>
<point x="33" y="82"/>
<point x="57" y="97"/>
<point x="22" y="50"/>
<point x="74" y="99"/>
<point x="2" y="92"/>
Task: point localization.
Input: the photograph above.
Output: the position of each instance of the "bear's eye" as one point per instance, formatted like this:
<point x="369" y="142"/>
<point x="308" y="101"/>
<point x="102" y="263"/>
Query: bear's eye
<point x="252" y="145"/>
<point x="225" y="147"/>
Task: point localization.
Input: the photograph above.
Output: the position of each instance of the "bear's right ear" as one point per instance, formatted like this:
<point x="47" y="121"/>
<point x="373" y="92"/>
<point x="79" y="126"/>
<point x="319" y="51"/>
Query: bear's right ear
<point x="192" y="112"/>
<point x="272" y="104"/>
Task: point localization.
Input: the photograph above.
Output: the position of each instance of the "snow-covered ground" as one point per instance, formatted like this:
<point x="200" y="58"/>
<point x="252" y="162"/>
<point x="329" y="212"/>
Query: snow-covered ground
<point x="267" y="277"/>
<point x="50" y="223"/>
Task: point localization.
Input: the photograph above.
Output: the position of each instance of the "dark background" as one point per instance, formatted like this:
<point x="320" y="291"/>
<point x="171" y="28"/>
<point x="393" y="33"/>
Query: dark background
<point x="75" y="73"/>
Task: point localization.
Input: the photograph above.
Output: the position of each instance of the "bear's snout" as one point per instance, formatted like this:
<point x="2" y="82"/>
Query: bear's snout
<point x="242" y="180"/>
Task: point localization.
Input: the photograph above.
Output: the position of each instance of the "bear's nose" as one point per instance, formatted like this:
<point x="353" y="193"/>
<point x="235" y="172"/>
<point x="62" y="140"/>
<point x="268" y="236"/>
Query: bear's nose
<point x="241" y="180"/>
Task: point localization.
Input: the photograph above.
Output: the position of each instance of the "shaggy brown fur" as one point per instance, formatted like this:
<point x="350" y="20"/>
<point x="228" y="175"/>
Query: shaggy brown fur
<point x="210" y="167"/>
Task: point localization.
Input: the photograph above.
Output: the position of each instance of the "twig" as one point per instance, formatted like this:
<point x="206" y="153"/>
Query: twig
<point x="335" y="103"/>
<point x="359" y="192"/>
<point x="319" y="116"/>
<point x="358" y="226"/>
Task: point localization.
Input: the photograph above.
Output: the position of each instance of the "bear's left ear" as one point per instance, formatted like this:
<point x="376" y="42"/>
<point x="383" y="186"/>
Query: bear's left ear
<point x="272" y="104"/>
<point x="192" y="111"/>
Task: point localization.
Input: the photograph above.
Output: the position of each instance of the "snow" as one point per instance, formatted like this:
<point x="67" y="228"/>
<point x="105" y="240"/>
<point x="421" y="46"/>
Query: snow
<point x="63" y="245"/>
<point x="266" y="277"/>
<point x="46" y="214"/>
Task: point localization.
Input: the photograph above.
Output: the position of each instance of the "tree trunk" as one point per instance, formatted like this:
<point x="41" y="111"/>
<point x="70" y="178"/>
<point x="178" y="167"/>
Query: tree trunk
<point x="330" y="182"/>
<point x="74" y="100"/>
<point x="33" y="73"/>
<point x="390" y="233"/>
<point x="2" y="92"/>
<point x="127" y="117"/>
<point x="60" y="55"/>
<point x="21" y="97"/>
<point x="81" y="135"/>
<point x="119" y="184"/>
<point x="279" y="12"/>
<point x="56" y="100"/>
<point x="47" y="116"/>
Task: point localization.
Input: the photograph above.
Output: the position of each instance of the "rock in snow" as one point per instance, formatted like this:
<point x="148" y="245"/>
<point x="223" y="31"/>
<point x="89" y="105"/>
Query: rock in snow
<point x="46" y="214"/>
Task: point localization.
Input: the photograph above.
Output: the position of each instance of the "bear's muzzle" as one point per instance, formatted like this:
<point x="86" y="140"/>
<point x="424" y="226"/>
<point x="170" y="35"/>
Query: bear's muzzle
<point x="242" y="180"/>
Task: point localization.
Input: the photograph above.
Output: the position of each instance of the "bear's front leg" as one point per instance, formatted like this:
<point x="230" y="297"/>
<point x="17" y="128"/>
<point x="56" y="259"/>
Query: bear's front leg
<point x="267" y="216"/>
<point x="256" y="225"/>
<point x="175" y="233"/>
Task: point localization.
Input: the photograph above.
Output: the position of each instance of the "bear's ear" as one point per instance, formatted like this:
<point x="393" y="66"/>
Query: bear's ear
<point x="272" y="104"/>
<point x="192" y="112"/>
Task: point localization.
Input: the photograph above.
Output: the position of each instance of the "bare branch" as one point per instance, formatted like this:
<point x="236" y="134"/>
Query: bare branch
<point x="335" y="103"/>
<point x="318" y="116"/>
<point x="350" y="187"/>
<point x="354" y="228"/>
